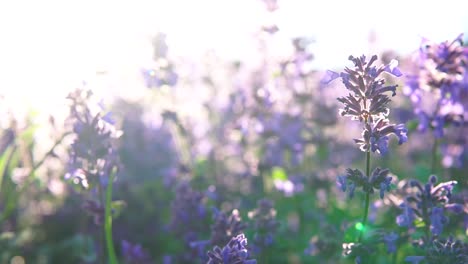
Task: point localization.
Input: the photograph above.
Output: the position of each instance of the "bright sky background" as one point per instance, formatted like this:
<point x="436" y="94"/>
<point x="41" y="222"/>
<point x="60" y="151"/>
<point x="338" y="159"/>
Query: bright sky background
<point x="49" y="47"/>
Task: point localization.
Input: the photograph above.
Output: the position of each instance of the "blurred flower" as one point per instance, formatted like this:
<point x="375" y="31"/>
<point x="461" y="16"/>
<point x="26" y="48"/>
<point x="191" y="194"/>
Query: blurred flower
<point x="390" y="240"/>
<point x="93" y="154"/>
<point x="134" y="254"/>
<point x="225" y="227"/>
<point x="439" y="89"/>
<point x="188" y="212"/>
<point x="291" y="186"/>
<point x="283" y="133"/>
<point x="265" y="225"/>
<point x="162" y="71"/>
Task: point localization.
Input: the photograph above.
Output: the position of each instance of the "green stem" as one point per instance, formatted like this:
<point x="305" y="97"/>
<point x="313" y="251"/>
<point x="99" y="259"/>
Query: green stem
<point x="366" y="207"/>
<point x="5" y="161"/>
<point x="434" y="156"/>
<point x="395" y="257"/>
<point x="108" y="222"/>
<point x="426" y="221"/>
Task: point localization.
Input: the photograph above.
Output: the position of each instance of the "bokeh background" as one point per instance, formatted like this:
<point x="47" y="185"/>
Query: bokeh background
<point x="220" y="106"/>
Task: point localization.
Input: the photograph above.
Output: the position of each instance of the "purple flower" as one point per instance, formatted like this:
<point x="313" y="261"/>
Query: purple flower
<point x="225" y="227"/>
<point x="329" y="77"/>
<point x="235" y="252"/>
<point x="368" y="101"/>
<point x="438" y="220"/>
<point x="406" y="219"/>
<point x="188" y="213"/>
<point x="429" y="202"/>
<point x="390" y="240"/>
<point x="376" y="136"/>
<point x="440" y="82"/>
<point x="265" y="225"/>
<point x="379" y="180"/>
<point x="392" y="68"/>
<point x="341" y="183"/>
<point x="93" y="153"/>
<point x="443" y="251"/>
<point x="134" y="254"/>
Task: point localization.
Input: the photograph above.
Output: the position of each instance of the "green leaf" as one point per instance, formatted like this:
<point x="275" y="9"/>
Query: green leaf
<point x="279" y="173"/>
<point x="117" y="208"/>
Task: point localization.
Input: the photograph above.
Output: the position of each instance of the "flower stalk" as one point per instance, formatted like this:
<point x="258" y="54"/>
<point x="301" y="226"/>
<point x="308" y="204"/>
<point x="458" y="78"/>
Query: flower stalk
<point x="108" y="222"/>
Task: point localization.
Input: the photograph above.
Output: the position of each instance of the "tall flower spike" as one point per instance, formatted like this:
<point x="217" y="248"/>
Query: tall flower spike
<point x="367" y="101"/>
<point x="92" y="154"/>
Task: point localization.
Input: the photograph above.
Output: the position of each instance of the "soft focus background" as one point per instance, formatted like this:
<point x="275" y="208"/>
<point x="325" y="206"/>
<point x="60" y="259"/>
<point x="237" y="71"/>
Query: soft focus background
<point x="49" y="46"/>
<point x="220" y="106"/>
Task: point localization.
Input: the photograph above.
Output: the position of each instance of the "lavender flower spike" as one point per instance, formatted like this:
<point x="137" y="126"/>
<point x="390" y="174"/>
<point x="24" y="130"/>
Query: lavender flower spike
<point x="235" y="252"/>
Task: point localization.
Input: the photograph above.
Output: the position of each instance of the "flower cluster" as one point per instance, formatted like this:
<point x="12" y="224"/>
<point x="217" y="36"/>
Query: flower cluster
<point x="367" y="101"/>
<point x="439" y="90"/>
<point x="162" y="72"/>
<point x="429" y="203"/>
<point x="265" y="224"/>
<point x="283" y="134"/>
<point x="146" y="149"/>
<point x="235" y="252"/>
<point x="225" y="227"/>
<point x="355" y="178"/>
<point x="443" y="251"/>
<point x="188" y="212"/>
<point x="134" y="254"/>
<point x="93" y="156"/>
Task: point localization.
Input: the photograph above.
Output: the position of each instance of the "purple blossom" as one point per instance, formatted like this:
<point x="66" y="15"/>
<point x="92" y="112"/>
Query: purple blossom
<point x="376" y="136"/>
<point x="367" y="101"/>
<point x="225" y="227"/>
<point x="439" y="89"/>
<point x="406" y="219"/>
<point x="134" y="254"/>
<point x="390" y="240"/>
<point x="379" y="180"/>
<point x="265" y="225"/>
<point x="188" y="213"/>
<point x="235" y="252"/>
<point x="441" y="251"/>
<point x="429" y="202"/>
<point x="93" y="152"/>
<point x="438" y="220"/>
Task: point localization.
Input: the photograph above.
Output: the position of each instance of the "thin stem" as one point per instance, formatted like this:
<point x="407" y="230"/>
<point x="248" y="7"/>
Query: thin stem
<point x="108" y="222"/>
<point x="366" y="207"/>
<point x="426" y="220"/>
<point x="5" y="162"/>
<point x="434" y="156"/>
<point x="395" y="256"/>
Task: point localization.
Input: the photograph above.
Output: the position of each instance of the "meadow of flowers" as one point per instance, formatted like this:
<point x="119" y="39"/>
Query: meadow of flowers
<point x="223" y="162"/>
